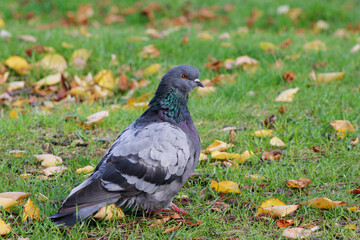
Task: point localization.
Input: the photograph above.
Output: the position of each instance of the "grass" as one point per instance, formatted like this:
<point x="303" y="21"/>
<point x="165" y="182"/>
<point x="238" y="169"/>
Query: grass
<point x="304" y="124"/>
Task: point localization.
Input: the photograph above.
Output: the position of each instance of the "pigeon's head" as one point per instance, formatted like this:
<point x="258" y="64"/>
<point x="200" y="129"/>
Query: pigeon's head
<point x="183" y="77"/>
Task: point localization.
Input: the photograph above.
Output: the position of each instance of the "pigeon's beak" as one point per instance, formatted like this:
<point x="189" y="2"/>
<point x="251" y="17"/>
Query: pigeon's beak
<point x="199" y="83"/>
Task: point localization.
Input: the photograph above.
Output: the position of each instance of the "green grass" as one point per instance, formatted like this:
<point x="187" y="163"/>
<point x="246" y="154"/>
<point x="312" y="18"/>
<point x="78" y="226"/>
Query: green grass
<point x="304" y="124"/>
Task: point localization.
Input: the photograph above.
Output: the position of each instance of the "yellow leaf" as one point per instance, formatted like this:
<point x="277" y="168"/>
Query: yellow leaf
<point x="300" y="183"/>
<point x="54" y="62"/>
<point x="52" y="170"/>
<point x="48" y="160"/>
<point x="351" y="226"/>
<point x="204" y="36"/>
<point x="48" y="81"/>
<point x="80" y="57"/>
<point x="263" y="133"/>
<point x="279" y="211"/>
<point x="223" y="155"/>
<point x="255" y="177"/>
<point x="287" y="95"/>
<point x="267" y="46"/>
<point x="277" y="142"/>
<point x="2" y="23"/>
<point x="16" y="196"/>
<point x="269" y="203"/>
<point x="342" y="127"/>
<point x="15" y="85"/>
<point x="225" y="187"/>
<point x="245" y="60"/>
<point x="151" y="70"/>
<point x="31" y="211"/>
<point x="97" y="117"/>
<point x="217" y="146"/>
<point x="110" y="212"/>
<point x="13" y="114"/>
<point x="244" y="156"/>
<point x="7" y="202"/>
<point x="315" y="45"/>
<point x="323" y="203"/>
<point x="19" y="64"/>
<point x="326" y="77"/>
<point x="105" y="79"/>
<point x="296" y="233"/>
<point x="203" y="157"/>
<point x="67" y="45"/>
<point x="356" y="141"/>
<point x="229" y="63"/>
<point x="4" y="228"/>
<point x="85" y="170"/>
<point x="354" y="209"/>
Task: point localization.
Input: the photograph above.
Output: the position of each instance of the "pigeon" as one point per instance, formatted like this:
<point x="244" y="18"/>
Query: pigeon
<point x="149" y="161"/>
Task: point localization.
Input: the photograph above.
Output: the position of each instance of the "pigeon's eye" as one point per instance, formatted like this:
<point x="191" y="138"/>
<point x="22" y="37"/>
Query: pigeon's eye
<point x="184" y="76"/>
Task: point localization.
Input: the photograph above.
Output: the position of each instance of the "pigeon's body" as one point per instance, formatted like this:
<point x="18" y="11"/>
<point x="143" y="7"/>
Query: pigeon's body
<point x="149" y="161"/>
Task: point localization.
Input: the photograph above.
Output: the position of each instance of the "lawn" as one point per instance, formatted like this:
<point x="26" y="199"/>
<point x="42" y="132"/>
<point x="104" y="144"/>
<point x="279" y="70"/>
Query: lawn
<point x="305" y="37"/>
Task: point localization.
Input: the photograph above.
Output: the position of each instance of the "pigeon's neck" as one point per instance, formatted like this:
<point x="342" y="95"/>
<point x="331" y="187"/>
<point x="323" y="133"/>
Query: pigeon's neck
<point x="171" y="105"/>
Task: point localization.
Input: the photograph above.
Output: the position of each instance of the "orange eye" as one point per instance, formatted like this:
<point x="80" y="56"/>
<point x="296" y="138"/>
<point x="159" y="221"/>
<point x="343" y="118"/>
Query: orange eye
<point x="184" y="76"/>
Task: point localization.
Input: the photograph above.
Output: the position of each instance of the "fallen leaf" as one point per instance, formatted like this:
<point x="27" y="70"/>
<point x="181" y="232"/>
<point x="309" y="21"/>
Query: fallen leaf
<point x="6" y="203"/>
<point x="280" y="210"/>
<point x="54" y="62"/>
<point x="16" y="85"/>
<point x="326" y="77"/>
<point x="263" y="133"/>
<point x="13" y="114"/>
<point x="225" y="187"/>
<point x="48" y="81"/>
<point x="354" y="209"/>
<point x="315" y="45"/>
<point x="300" y="183"/>
<point x="356" y="141"/>
<point x="289" y="76"/>
<point x="224" y="155"/>
<point x="342" y="127"/>
<point x="203" y="157"/>
<point x="323" y="203"/>
<point x="245" y="61"/>
<point x="277" y="142"/>
<point x="110" y="212"/>
<point x="48" y="160"/>
<point x="319" y="26"/>
<point x="31" y="211"/>
<point x="67" y="45"/>
<point x="269" y="203"/>
<point x="16" y="196"/>
<point x="296" y="233"/>
<point x="351" y="226"/>
<point x="204" y="36"/>
<point x="217" y="146"/>
<point x="2" y="23"/>
<point x="53" y="170"/>
<point x="170" y="229"/>
<point x="85" y="170"/>
<point x="232" y="135"/>
<point x="244" y="156"/>
<point x="287" y="95"/>
<point x="256" y="177"/>
<point x="355" y="191"/>
<point x="229" y="64"/>
<point x="27" y="38"/>
<point x="267" y="46"/>
<point x="105" y="79"/>
<point x="151" y="70"/>
<point x="97" y="117"/>
<point x="80" y="57"/>
<point x="355" y="48"/>
<point x="283" y="223"/>
<point x="4" y="227"/>
<point x="41" y="197"/>
<point x="19" y="64"/>
<point x="149" y="51"/>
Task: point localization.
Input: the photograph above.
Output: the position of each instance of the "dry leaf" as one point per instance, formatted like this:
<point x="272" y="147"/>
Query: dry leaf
<point x="225" y="187"/>
<point x="267" y="46"/>
<point x="351" y="226"/>
<point x="54" y="62"/>
<point x="19" y="64"/>
<point x="355" y="48"/>
<point x="27" y="38"/>
<point x="97" y="117"/>
<point x="151" y="70"/>
<point x="296" y="233"/>
<point x="280" y="210"/>
<point x="105" y="79"/>
<point x="354" y="209"/>
<point x="217" y="146"/>
<point x="204" y="36"/>
<point x="269" y="203"/>
<point x="224" y="155"/>
<point x="356" y="141"/>
<point x="4" y="228"/>
<point x="48" y="81"/>
<point x="263" y="133"/>
<point x="283" y="223"/>
<point x="170" y="229"/>
<point x="202" y="157"/>
<point x="53" y="170"/>
<point x="289" y="76"/>
<point x="229" y="64"/>
<point x="41" y="197"/>
<point x="256" y="177"/>
<point x="7" y="202"/>
<point x="244" y="156"/>
<point x="149" y="51"/>
<point x="326" y="77"/>
<point x="323" y="203"/>
<point x="16" y="196"/>
<point x="245" y="61"/>
<point x="300" y="183"/>
<point x="13" y="114"/>
<point x="49" y="160"/>
<point x="79" y="58"/>
<point x="342" y="127"/>
<point x="287" y="95"/>
<point x="277" y="142"/>
<point x="31" y="211"/>
<point x="315" y="45"/>
<point x="355" y="191"/>
<point x="110" y="212"/>
<point x="85" y="170"/>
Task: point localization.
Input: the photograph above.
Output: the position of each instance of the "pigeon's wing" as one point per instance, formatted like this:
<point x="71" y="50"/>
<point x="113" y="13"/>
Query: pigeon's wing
<point x="147" y="159"/>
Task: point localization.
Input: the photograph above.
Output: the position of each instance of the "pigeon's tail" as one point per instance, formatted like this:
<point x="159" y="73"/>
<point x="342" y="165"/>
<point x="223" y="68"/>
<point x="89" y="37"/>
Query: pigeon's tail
<point x="70" y="218"/>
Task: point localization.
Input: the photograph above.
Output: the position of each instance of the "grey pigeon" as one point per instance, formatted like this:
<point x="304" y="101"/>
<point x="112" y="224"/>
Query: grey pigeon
<point x="149" y="161"/>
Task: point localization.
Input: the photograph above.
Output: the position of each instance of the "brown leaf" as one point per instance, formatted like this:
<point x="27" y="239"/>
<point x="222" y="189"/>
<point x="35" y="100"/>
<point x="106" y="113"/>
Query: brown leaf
<point x="300" y="183"/>
<point x="272" y="155"/>
<point x="170" y="229"/>
<point x="323" y="203"/>
<point x="282" y="109"/>
<point x="232" y="135"/>
<point x="149" y="51"/>
<point x="185" y="39"/>
<point x="289" y="76"/>
<point x="283" y="223"/>
<point x="270" y="121"/>
<point x="286" y="43"/>
<point x="356" y="191"/>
